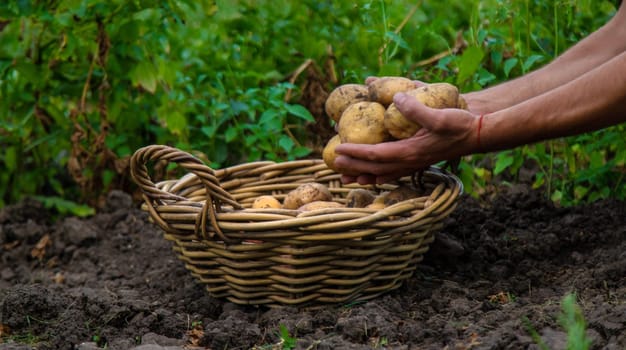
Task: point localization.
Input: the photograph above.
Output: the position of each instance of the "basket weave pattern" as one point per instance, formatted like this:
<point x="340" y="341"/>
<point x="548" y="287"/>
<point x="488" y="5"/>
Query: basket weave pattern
<point x="287" y="257"/>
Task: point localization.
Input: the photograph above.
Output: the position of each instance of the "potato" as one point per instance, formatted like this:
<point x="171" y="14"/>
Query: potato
<point x="342" y="96"/>
<point x="376" y="206"/>
<point x="328" y="154"/>
<point x="461" y="103"/>
<point x="436" y="95"/>
<point x="363" y="122"/>
<point x="379" y="201"/>
<point x="400" y="194"/>
<point x="359" y="198"/>
<point x="382" y="89"/>
<point x="266" y="202"/>
<point x="320" y="205"/>
<point x="306" y="193"/>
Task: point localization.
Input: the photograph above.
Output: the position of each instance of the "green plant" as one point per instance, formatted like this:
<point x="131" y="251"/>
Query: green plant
<point x="534" y="334"/>
<point x="288" y="342"/>
<point x="83" y="84"/>
<point x="65" y="207"/>
<point x="573" y="322"/>
<point x="27" y="336"/>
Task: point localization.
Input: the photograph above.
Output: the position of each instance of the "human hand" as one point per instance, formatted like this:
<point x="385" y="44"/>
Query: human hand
<point x="445" y="134"/>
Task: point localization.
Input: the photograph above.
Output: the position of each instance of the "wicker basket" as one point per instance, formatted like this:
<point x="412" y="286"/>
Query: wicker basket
<point x="286" y="257"/>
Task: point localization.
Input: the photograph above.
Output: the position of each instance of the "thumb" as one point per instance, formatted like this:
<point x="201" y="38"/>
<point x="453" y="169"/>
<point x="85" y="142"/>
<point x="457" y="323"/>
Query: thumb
<point x="416" y="111"/>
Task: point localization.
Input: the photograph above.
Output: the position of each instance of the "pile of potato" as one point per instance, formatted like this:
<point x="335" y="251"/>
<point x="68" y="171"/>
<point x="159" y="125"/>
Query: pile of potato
<point x="308" y="196"/>
<point x="312" y="195"/>
<point x="367" y="114"/>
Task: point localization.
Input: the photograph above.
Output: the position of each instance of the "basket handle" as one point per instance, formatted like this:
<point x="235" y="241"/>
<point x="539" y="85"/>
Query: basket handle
<point x="215" y="194"/>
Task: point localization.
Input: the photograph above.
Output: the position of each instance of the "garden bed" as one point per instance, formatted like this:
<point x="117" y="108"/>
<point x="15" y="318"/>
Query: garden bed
<point x="496" y="274"/>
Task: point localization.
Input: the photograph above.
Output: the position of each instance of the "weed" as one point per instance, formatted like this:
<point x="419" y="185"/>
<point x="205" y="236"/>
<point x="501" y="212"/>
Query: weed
<point x="288" y="342"/>
<point x="571" y="320"/>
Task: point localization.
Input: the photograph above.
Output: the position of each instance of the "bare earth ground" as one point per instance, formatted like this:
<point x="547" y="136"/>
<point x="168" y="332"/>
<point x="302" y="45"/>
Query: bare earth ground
<point x="112" y="281"/>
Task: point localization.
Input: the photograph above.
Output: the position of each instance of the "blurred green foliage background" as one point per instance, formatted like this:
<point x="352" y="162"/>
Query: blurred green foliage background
<point x="84" y="83"/>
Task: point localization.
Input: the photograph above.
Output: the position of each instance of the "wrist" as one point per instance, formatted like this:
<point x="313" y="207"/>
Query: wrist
<point x="479" y="126"/>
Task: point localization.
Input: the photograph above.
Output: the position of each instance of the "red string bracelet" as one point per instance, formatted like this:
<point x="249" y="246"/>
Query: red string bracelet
<point x="480" y="125"/>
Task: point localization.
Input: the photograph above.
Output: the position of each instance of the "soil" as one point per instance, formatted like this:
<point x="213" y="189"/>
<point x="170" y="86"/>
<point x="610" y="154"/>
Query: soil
<point x="495" y="276"/>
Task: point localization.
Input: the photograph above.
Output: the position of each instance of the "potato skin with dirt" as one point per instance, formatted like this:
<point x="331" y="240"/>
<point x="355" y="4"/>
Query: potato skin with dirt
<point x="400" y="194"/>
<point x="306" y="193"/>
<point x="436" y="95"/>
<point x="328" y="154"/>
<point x="363" y="122"/>
<point x="266" y="202"/>
<point x="379" y="202"/>
<point x="343" y="96"/>
<point x="359" y="198"/>
<point x="320" y="205"/>
<point x="382" y="89"/>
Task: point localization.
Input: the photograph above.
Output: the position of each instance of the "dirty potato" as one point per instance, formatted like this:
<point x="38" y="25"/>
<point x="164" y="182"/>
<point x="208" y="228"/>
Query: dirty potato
<point x="328" y="154"/>
<point x="379" y="201"/>
<point x="342" y="96"/>
<point x="436" y="95"/>
<point x="320" y="205"/>
<point x="359" y="198"/>
<point x="363" y="122"/>
<point x="306" y="193"/>
<point x="399" y="194"/>
<point x="266" y="202"/>
<point x="382" y="89"/>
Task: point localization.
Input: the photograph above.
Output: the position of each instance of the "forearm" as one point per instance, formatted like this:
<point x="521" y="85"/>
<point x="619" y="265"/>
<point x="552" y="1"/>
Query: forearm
<point x="596" y="49"/>
<point x="590" y="102"/>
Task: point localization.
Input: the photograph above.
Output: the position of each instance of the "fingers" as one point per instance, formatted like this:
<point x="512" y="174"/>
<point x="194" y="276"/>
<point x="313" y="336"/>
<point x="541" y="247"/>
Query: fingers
<point x="353" y="165"/>
<point x="387" y="151"/>
<point x="416" y="111"/>
<point x="370" y="80"/>
<point x="419" y="83"/>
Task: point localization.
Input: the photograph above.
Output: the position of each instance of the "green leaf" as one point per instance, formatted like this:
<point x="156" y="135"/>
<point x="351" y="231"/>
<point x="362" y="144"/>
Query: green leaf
<point x="270" y="120"/>
<point x="176" y="122"/>
<point x="145" y="75"/>
<point x="231" y="133"/>
<point x="397" y="40"/>
<point x="503" y="161"/>
<point x="509" y="65"/>
<point x="64" y="206"/>
<point x="10" y="158"/>
<point x="580" y="191"/>
<point x="145" y="14"/>
<point x="227" y="11"/>
<point x="557" y="196"/>
<point x="286" y="143"/>
<point x="530" y="61"/>
<point x="469" y="63"/>
<point x="485" y="77"/>
<point x="300" y="112"/>
<point x="496" y="57"/>
<point x="540" y="180"/>
<point x="300" y="152"/>
<point x="596" y="160"/>
<point x="208" y="131"/>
